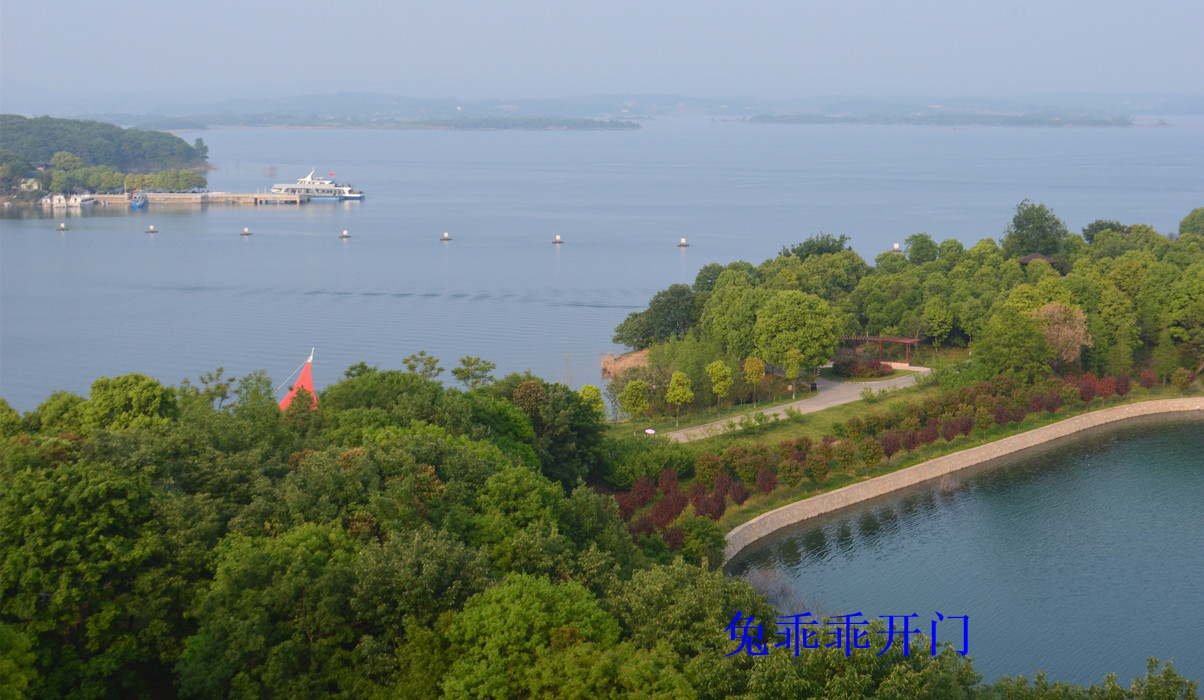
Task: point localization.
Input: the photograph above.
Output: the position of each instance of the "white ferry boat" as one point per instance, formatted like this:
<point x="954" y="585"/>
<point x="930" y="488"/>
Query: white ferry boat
<point x="319" y="188"/>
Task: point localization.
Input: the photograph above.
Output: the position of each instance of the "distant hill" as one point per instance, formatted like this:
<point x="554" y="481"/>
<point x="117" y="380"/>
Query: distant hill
<point x="99" y="143"/>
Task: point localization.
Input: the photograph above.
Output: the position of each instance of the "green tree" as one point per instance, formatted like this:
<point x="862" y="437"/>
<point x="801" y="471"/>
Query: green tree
<point x="819" y="244"/>
<point x="920" y="248"/>
<point x="1093" y="229"/>
<point x="754" y="374"/>
<point x="66" y="161"/>
<point x="633" y="401"/>
<point x="504" y="632"/>
<point x="679" y="392"/>
<point x="938" y="321"/>
<point x="473" y="372"/>
<point x="274" y="621"/>
<point x="798" y="322"/>
<point x="721" y="381"/>
<point x="423" y="365"/>
<point x="670" y="313"/>
<point x="1012" y="343"/>
<point x="128" y="401"/>
<point x="592" y="396"/>
<point x="1193" y="222"/>
<point x="1034" y="229"/>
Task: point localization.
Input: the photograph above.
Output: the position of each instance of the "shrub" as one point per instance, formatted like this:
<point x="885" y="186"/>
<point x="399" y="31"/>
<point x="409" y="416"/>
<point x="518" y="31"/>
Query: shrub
<point x="1124" y="384"/>
<point x="983" y="418"/>
<point x="891" y="443"/>
<point x="707" y="466"/>
<point x="843" y="454"/>
<point x="911" y="440"/>
<point x="1147" y="379"/>
<point x="791" y="472"/>
<point x="838" y="430"/>
<point x="1106" y="388"/>
<point x="732" y="455"/>
<point x="826" y="451"/>
<point x="641" y="526"/>
<point x="673" y="537"/>
<point x="1182" y="379"/>
<point x="1002" y="414"/>
<point x="855" y="426"/>
<point x="667" y="481"/>
<point x="713" y="506"/>
<point x="870" y="451"/>
<point x="874" y="424"/>
<point x="738" y="492"/>
<point x="929" y="434"/>
<point x="1019" y="414"/>
<point x="724" y="484"/>
<point x="1036" y="402"/>
<point x="643" y="490"/>
<point x="767" y="480"/>
<point x="965" y="424"/>
<point x="668" y="508"/>
<point x="949" y="430"/>
<point x="868" y="395"/>
<point x="1053" y="401"/>
<point x="1086" y="391"/>
<point x="817" y="469"/>
<point x="626" y="505"/>
<point x="697" y="493"/>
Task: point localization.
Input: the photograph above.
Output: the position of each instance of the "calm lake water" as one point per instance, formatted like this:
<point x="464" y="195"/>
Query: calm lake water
<point x="1081" y="559"/>
<point x="105" y="298"/>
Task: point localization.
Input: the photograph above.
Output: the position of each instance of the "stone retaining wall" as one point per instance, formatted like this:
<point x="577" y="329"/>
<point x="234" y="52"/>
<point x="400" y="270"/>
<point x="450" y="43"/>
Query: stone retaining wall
<point x="766" y="524"/>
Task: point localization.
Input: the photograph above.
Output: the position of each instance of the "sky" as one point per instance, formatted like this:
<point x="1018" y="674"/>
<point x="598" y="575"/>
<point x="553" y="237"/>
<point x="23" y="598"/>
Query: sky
<point x="561" y="48"/>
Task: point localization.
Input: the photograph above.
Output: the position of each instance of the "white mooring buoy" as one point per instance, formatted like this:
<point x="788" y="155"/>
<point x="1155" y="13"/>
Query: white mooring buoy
<point x="246" y="232"/>
<point x="345" y="234"/>
<point x="63" y="227"/>
<point x="683" y="244"/>
<point x="152" y="229"/>
<point x="557" y="241"/>
<point x="445" y="237"/>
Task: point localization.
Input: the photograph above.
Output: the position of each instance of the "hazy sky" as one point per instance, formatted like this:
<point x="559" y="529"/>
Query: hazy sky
<point x="524" y="48"/>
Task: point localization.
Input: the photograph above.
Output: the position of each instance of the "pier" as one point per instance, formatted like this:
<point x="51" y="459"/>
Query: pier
<point x="205" y="198"/>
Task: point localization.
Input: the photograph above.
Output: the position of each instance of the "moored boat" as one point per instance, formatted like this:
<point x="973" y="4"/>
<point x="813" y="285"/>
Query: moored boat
<point x="319" y="188"/>
<point x="137" y="201"/>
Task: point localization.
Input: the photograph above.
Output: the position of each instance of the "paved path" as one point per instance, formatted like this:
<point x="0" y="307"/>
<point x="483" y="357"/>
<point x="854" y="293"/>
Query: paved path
<point x="830" y="394"/>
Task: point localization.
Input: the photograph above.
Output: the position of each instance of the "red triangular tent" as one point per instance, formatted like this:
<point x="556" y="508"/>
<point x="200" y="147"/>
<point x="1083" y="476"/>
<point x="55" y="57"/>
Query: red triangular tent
<point x="306" y="382"/>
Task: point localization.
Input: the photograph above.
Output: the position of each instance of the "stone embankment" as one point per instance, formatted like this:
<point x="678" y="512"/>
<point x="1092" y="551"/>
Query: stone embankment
<point x="766" y="524"/>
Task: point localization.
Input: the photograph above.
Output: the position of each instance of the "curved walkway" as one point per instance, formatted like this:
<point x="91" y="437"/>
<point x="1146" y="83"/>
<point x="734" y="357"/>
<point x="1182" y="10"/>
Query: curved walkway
<point x="831" y="393"/>
<point x="766" y="524"/>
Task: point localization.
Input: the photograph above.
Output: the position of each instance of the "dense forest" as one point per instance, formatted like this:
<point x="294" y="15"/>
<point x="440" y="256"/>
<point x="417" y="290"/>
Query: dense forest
<point x="38" y="139"/>
<point x="1103" y="301"/>
<point x="402" y="540"/>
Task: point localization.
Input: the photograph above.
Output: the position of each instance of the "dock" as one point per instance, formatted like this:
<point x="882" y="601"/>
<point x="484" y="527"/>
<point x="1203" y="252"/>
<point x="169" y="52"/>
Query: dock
<point x="206" y="198"/>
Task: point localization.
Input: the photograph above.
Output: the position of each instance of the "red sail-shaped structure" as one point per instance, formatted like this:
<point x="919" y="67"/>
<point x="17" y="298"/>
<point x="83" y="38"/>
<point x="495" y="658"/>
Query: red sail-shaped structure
<point x="306" y="382"/>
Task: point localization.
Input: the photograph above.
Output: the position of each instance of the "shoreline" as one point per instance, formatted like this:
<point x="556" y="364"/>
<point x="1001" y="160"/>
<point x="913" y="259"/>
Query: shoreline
<point x="742" y="536"/>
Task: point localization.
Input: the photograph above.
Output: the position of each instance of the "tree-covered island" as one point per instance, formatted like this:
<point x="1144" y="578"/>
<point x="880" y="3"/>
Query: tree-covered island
<point x="407" y="539"/>
<point x="47" y="154"/>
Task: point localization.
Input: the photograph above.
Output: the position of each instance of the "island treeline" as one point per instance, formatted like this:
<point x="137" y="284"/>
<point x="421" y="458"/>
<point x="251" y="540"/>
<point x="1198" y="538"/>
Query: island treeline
<point x="1111" y="300"/>
<point x="37" y="139"/>
<point x="948" y="119"/>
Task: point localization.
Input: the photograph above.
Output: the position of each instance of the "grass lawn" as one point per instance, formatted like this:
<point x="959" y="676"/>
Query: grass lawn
<point x="663" y="424"/>
<point x="827" y="373"/>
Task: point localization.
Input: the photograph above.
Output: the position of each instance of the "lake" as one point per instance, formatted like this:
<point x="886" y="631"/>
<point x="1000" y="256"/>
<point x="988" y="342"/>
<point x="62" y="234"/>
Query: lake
<point x="105" y="298"/>
<point x="1079" y="559"/>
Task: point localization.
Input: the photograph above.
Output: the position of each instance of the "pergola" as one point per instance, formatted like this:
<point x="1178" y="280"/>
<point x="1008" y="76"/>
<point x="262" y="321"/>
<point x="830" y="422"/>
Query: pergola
<point x="908" y="342"/>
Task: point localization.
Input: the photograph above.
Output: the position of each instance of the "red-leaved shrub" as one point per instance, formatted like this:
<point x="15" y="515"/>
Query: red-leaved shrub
<point x="911" y="440"/>
<point x="667" y="481"/>
<point x="1124" y="384"/>
<point x="767" y="480"/>
<point x="891" y="443"/>
<point x="674" y="538"/>
<point x="668" y="508"/>
<point x="949" y="430"/>
<point x="643" y="490"/>
<point x="738" y="492"/>
<point x="1147" y="379"/>
<point x="626" y="505"/>
<point x="1106" y="388"/>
